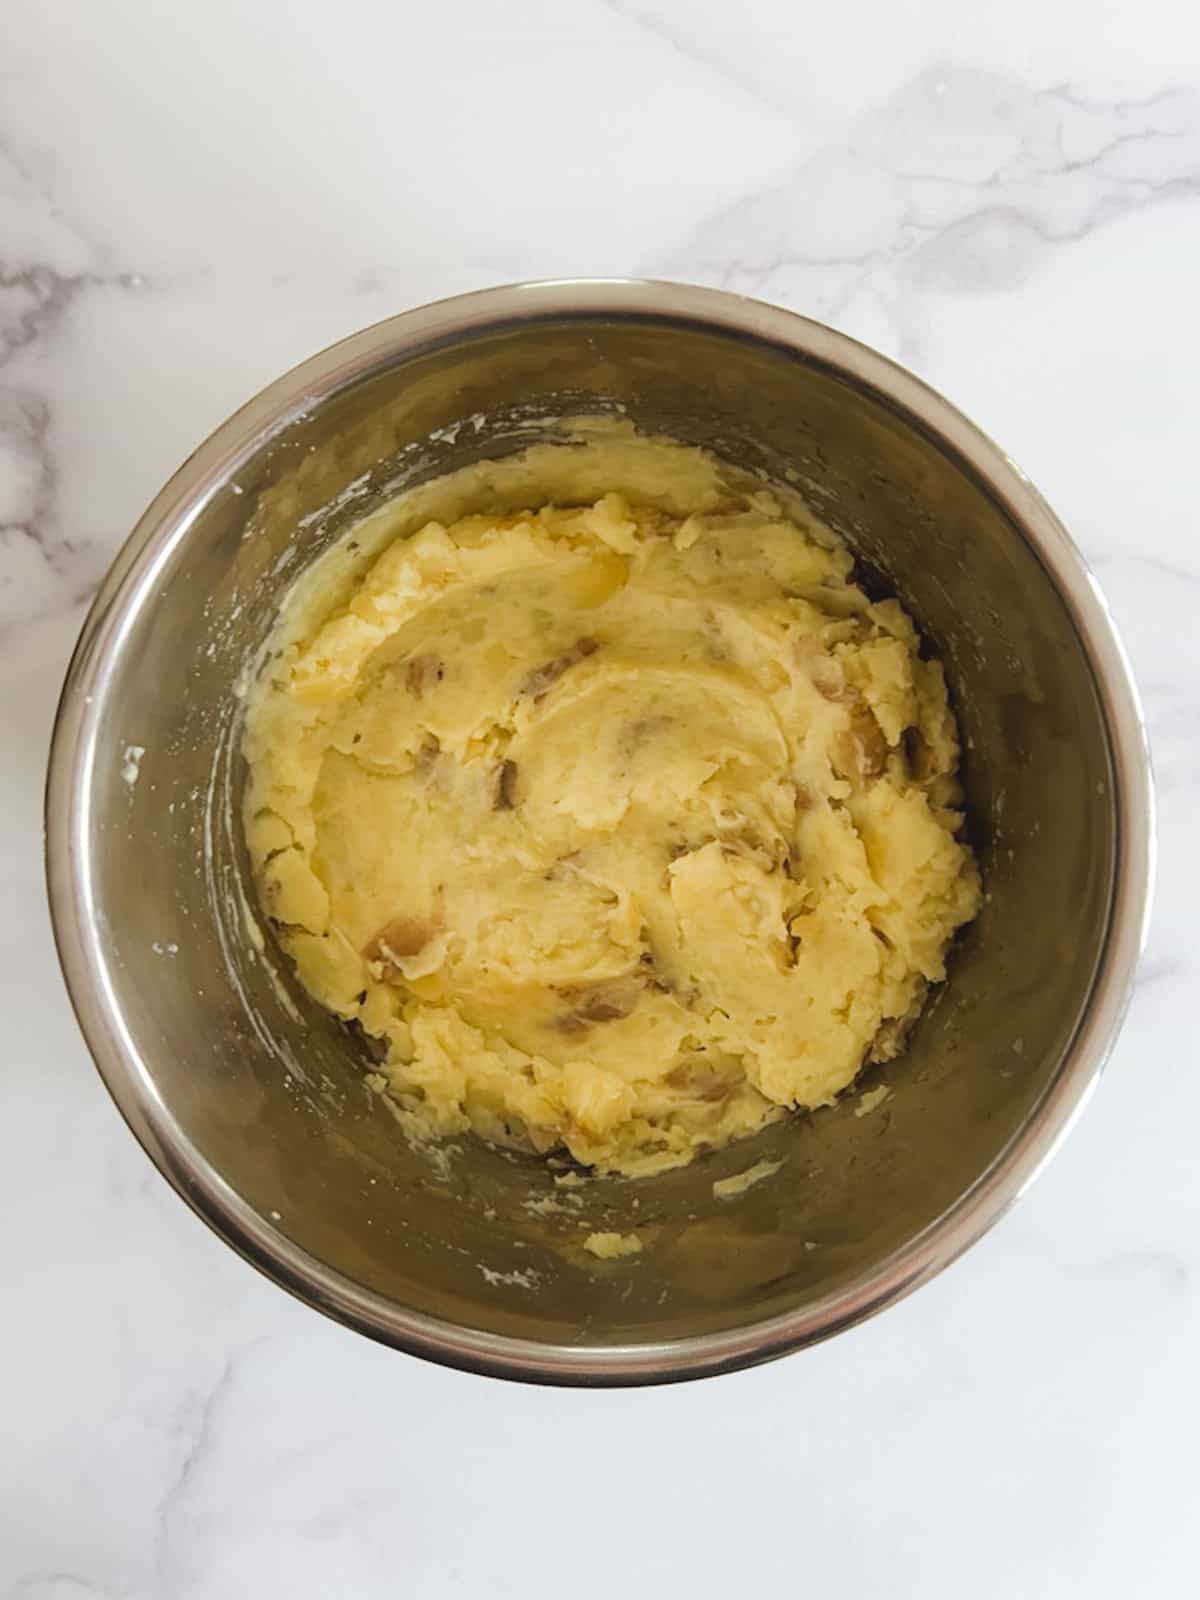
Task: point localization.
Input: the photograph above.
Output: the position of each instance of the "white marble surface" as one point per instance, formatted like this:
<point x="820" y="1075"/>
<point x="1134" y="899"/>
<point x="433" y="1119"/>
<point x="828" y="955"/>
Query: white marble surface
<point x="194" y="197"/>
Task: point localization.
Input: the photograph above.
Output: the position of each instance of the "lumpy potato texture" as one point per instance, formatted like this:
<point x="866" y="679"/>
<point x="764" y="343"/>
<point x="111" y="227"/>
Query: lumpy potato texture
<point x="592" y="787"/>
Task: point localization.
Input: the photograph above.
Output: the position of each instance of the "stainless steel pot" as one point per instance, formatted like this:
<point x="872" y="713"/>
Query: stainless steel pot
<point x="252" y="1101"/>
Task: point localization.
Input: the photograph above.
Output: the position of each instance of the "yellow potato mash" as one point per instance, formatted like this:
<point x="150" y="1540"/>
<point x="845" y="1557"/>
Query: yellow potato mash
<point x="590" y="784"/>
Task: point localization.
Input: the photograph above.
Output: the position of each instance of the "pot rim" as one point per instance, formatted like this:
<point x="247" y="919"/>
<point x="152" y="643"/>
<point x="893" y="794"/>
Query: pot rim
<point x="77" y="921"/>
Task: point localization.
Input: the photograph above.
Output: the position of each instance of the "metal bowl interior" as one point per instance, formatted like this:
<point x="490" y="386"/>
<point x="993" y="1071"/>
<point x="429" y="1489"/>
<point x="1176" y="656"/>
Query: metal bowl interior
<point x="252" y="1101"/>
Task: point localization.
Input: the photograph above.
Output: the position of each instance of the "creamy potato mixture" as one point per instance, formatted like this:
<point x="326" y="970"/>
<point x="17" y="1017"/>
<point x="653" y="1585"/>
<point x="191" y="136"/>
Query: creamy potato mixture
<point x="591" y="786"/>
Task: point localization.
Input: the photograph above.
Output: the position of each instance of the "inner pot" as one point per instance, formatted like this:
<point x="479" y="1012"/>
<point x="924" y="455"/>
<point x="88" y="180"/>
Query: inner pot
<point x="253" y="1099"/>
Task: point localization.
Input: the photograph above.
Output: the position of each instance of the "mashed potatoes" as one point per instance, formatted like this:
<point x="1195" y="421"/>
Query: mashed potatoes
<point x="591" y="786"/>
